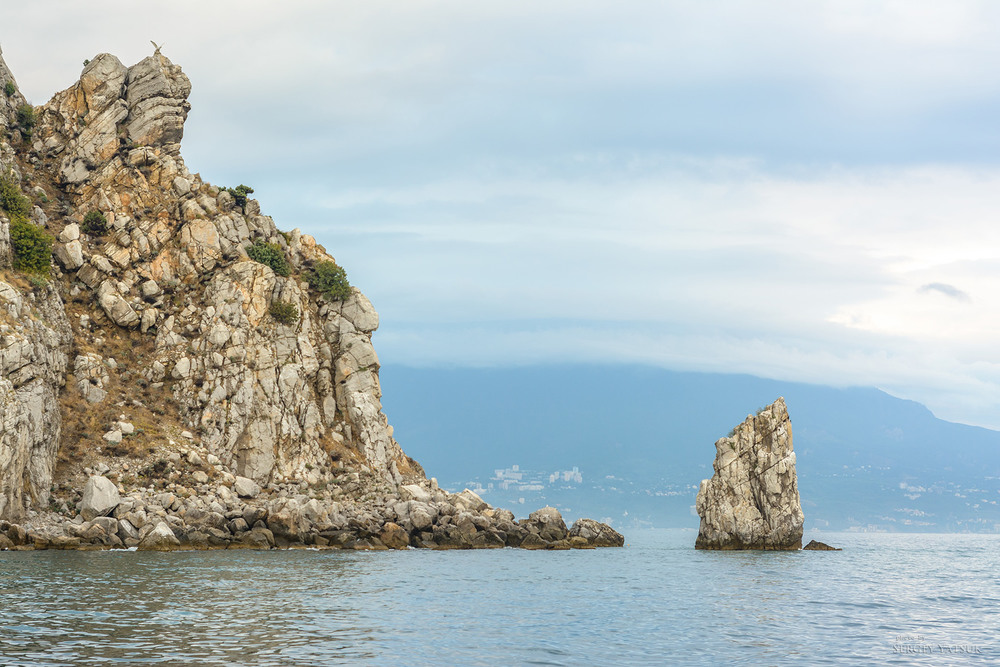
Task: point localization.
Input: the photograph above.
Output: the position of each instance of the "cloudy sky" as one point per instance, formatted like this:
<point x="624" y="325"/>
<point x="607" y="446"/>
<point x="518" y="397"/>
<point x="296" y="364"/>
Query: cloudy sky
<point x="802" y="191"/>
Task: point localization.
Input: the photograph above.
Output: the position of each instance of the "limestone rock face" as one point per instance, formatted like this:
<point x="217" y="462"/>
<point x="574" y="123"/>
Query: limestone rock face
<point x="269" y="399"/>
<point x="752" y="500"/>
<point x="157" y="101"/>
<point x="239" y="406"/>
<point x="35" y="338"/>
<point x="113" y="106"/>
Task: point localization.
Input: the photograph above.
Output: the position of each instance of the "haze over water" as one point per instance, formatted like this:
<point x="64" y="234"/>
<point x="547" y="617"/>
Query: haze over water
<point x="887" y="598"/>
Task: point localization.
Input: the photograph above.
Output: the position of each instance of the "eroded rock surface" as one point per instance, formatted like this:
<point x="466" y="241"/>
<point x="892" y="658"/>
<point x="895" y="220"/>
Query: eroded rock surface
<point x="752" y="500"/>
<point x="34" y="341"/>
<point x="213" y="401"/>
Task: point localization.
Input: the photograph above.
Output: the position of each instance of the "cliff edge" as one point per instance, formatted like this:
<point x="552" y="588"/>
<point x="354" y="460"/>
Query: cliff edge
<point x="176" y="363"/>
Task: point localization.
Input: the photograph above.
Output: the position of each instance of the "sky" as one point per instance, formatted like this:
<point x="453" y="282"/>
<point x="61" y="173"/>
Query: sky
<point x="800" y="191"/>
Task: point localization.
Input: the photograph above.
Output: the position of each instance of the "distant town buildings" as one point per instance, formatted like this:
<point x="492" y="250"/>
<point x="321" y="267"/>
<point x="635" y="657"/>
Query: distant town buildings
<point x="516" y="479"/>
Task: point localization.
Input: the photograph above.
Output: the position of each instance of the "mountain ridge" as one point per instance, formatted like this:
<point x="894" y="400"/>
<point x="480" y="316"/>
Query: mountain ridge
<point x="655" y="429"/>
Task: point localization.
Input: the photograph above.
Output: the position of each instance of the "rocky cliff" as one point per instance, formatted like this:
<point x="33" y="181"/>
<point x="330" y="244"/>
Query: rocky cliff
<point x="752" y="500"/>
<point x="163" y="355"/>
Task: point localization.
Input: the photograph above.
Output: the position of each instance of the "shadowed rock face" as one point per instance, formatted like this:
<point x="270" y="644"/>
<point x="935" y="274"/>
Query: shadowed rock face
<point x="752" y="500"/>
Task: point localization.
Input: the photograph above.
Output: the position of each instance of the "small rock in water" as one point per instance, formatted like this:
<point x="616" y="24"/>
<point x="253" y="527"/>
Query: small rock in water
<point x="819" y="546"/>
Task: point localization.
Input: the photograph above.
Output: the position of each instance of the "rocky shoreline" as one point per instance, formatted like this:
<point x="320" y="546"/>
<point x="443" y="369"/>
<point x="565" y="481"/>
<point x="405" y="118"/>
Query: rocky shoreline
<point x="178" y="373"/>
<point x="238" y="514"/>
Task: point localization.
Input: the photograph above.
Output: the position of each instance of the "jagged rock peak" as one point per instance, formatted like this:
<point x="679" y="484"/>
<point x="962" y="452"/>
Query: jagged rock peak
<point x="113" y="108"/>
<point x="165" y="280"/>
<point x="752" y="500"/>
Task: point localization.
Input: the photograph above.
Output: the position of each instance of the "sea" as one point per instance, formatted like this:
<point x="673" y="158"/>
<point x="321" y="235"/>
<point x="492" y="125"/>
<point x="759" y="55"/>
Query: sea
<point x="898" y="599"/>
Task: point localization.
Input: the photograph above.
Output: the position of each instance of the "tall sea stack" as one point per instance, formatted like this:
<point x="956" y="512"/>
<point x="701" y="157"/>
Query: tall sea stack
<point x="752" y="500"/>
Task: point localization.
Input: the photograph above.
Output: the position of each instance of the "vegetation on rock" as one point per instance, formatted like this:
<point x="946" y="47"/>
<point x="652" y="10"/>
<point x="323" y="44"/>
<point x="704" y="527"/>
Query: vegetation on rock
<point x="26" y="118"/>
<point x="12" y="201"/>
<point x="9" y="88"/>
<point x="330" y="279"/>
<point x="270" y="254"/>
<point x="32" y="247"/>
<point x="284" y="312"/>
<point x="239" y="194"/>
<point x="95" y="223"/>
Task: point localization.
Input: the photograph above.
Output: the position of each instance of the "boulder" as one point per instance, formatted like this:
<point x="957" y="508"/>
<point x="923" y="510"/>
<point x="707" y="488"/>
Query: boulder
<point x="532" y="541"/>
<point x="160" y="538"/>
<point x="469" y="500"/>
<point x="547" y="523"/>
<point x="100" y="496"/>
<point x="595" y="533"/>
<point x="257" y="538"/>
<point x="246" y="487"/>
<point x="70" y="232"/>
<point x="414" y="492"/>
<point x="70" y="254"/>
<point x="394" y="537"/>
<point x="752" y="500"/>
<point x="422" y="515"/>
<point x="117" y="308"/>
<point x="126" y="531"/>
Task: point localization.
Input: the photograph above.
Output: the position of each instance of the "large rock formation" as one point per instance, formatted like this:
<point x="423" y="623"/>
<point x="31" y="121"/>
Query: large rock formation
<point x="34" y="340"/>
<point x="212" y="399"/>
<point x="752" y="500"/>
<point x="270" y="399"/>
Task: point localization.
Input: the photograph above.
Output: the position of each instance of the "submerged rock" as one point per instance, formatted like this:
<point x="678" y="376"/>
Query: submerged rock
<point x="752" y="500"/>
<point x="819" y="546"/>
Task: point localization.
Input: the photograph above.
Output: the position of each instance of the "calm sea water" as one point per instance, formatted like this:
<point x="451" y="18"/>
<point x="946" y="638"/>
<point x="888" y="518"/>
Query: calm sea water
<point x="895" y="599"/>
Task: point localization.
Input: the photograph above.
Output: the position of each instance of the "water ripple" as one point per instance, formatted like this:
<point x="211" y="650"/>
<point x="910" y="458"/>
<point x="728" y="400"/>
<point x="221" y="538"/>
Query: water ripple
<point x="886" y="598"/>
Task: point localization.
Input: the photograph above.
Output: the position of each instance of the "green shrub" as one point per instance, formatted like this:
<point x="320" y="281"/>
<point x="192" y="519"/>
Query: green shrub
<point x="239" y="194"/>
<point x="32" y="247"/>
<point x="330" y="279"/>
<point x="284" y="312"/>
<point x="95" y="223"/>
<point x="9" y="88"/>
<point x="270" y="254"/>
<point x="12" y="201"/>
<point x="26" y="118"/>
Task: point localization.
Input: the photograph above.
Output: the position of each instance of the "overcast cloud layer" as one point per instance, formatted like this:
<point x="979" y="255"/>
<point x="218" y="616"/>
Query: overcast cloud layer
<point x="804" y="191"/>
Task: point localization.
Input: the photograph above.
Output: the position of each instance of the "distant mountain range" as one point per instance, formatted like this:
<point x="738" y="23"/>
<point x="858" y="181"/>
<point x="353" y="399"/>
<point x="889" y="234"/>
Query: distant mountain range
<point x="631" y="444"/>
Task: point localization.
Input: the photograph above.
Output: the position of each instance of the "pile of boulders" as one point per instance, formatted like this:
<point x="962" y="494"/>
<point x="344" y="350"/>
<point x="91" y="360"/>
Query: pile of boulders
<point x="244" y="516"/>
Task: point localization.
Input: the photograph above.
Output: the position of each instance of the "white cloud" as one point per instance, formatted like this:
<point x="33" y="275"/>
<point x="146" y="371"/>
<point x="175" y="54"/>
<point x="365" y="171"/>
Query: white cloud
<point x="819" y="278"/>
<point x="720" y="186"/>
